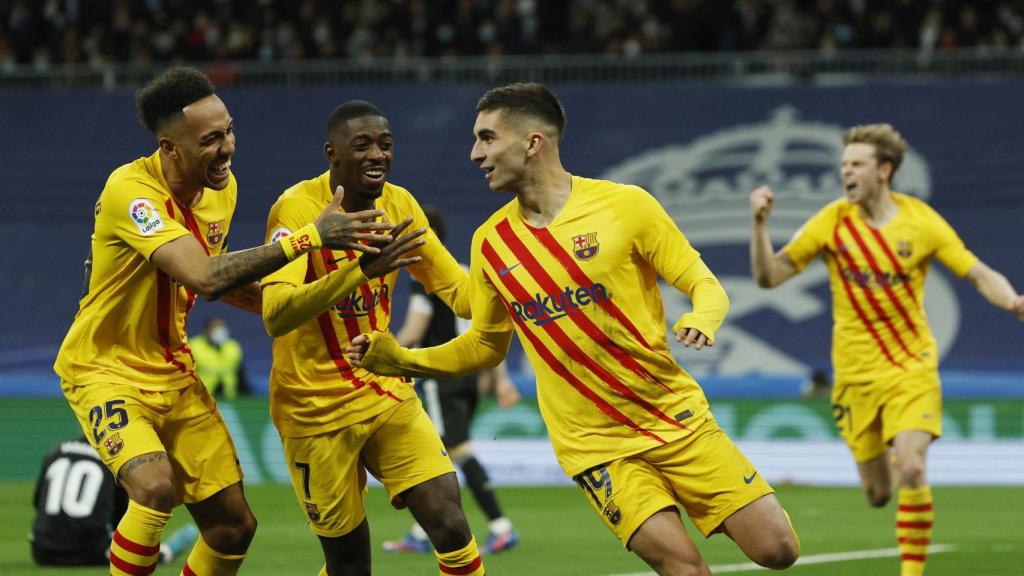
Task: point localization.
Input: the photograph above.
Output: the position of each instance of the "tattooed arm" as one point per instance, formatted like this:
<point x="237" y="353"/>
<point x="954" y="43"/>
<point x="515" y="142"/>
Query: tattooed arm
<point x="212" y="277"/>
<point x="246" y="297"/>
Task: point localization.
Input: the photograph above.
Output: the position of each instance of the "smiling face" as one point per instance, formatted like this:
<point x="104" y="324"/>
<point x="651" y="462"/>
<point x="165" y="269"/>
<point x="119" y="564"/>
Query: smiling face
<point x="360" y="152"/>
<point x="864" y="178"/>
<point x="500" y="148"/>
<point x="202" y="142"/>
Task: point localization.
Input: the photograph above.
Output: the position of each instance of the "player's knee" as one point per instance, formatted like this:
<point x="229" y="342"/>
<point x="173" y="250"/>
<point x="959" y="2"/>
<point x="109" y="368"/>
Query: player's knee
<point x="782" y="555"/>
<point x="912" y="474"/>
<point x="242" y="528"/>
<point x="154" y="492"/>
<point x="878" y="496"/>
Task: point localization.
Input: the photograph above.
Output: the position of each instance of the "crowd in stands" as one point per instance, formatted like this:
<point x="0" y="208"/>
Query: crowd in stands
<point x="46" y="32"/>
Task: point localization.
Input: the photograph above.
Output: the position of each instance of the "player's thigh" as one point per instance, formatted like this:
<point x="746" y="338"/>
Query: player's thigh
<point x="121" y="422"/>
<point x="403" y="449"/>
<point x="914" y="403"/>
<point x="625" y="493"/>
<point x="328" y="479"/>
<point x="199" y="446"/>
<point x="708" y="475"/>
<point x="663" y="543"/>
<point x="857" y="411"/>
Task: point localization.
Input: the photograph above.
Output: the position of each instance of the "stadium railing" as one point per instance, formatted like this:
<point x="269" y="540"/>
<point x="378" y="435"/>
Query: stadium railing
<point x="762" y="67"/>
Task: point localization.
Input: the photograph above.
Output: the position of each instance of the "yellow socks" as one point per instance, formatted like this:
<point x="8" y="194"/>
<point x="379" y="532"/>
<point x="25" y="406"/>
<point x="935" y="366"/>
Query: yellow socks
<point x="463" y="562"/>
<point x="205" y="561"/>
<point x="135" y="548"/>
<point x="914" y="520"/>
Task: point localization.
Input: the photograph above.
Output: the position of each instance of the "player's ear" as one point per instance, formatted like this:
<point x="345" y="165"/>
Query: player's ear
<point x="535" y="144"/>
<point x="885" y="171"/>
<point x="167" y="146"/>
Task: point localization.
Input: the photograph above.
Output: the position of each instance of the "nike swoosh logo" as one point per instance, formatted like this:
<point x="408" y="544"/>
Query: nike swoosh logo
<point x="507" y="271"/>
<point x="747" y="480"/>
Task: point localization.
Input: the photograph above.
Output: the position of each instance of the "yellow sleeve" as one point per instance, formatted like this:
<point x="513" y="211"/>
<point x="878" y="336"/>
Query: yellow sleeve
<point x="949" y="248"/>
<point x="662" y="244"/>
<point x="288" y="302"/>
<point x="287" y="306"/>
<point x="710" y="302"/>
<point x="439" y="272"/>
<point x="483" y="346"/>
<point x="811" y="238"/>
<point x="136" y="214"/>
<point x="658" y="239"/>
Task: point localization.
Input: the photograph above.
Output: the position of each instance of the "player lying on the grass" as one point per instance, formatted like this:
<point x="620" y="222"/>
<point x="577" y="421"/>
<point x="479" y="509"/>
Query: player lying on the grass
<point x="77" y="504"/>
<point x="338" y="422"/>
<point x="161" y="226"/>
<point x="451" y="404"/>
<point x="878" y="246"/>
<point x="571" y="265"/>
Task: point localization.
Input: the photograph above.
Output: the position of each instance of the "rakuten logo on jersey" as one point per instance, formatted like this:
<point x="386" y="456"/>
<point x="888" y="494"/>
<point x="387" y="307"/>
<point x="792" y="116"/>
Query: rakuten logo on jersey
<point x="355" y="305"/>
<point x="542" y="308"/>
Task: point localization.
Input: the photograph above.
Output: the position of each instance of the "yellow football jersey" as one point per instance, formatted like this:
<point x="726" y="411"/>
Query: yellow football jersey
<point x="313" y="388"/>
<point x="877" y="279"/>
<point x="130" y="325"/>
<point x="582" y="294"/>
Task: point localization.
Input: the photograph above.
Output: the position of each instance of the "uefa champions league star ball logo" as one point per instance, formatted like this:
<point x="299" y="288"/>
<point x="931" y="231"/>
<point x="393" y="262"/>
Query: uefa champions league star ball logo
<point x="705" y="186"/>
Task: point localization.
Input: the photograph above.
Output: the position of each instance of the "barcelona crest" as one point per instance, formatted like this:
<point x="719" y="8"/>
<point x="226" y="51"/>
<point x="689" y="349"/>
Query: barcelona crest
<point x="585" y="246"/>
<point x="312" y="511"/>
<point x="904" y="248"/>
<point x="612" y="513"/>
<point x="113" y="445"/>
<point x="216" y="233"/>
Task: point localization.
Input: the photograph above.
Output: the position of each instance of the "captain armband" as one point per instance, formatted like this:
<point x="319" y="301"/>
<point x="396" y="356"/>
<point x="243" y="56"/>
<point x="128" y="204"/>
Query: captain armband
<point x="303" y="240"/>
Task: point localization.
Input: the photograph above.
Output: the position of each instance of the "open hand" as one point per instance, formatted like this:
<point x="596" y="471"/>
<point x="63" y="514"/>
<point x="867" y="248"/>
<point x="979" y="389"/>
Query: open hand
<point x="390" y="255"/>
<point x="347" y="231"/>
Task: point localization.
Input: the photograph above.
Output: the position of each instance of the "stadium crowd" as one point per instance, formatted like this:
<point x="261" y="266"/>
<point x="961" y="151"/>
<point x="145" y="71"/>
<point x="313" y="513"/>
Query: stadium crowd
<point x="46" y="32"/>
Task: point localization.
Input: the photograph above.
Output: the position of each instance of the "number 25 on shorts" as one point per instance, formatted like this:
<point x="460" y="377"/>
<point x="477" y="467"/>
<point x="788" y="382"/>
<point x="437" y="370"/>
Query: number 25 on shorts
<point x="110" y="413"/>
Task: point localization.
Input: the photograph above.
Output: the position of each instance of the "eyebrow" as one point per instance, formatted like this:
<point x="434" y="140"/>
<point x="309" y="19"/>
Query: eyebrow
<point x="486" y="132"/>
<point x="217" y="131"/>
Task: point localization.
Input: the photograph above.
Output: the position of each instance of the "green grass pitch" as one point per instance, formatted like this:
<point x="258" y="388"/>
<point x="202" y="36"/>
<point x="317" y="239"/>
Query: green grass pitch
<point x="562" y="536"/>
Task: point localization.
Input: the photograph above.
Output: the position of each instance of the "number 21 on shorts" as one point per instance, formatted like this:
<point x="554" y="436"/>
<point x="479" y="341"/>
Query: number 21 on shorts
<point x="112" y="414"/>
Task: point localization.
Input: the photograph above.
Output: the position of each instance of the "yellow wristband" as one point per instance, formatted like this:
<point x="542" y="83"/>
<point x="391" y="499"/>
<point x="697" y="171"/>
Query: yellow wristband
<point x="303" y="240"/>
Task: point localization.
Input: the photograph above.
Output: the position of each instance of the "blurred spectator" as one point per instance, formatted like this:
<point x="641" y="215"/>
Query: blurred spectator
<point x="219" y="360"/>
<point x="47" y="32"/>
<point x="817" y="386"/>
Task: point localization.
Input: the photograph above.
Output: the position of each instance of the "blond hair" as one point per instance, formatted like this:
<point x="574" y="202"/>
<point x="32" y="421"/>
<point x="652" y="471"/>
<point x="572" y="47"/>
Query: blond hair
<point x="889" y="145"/>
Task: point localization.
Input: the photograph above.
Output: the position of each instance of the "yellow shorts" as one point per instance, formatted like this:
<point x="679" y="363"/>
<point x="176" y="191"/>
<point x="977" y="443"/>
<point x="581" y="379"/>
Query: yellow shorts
<point x="400" y="447"/>
<point x="705" y="472"/>
<point x="869" y="415"/>
<point x="123" y="422"/>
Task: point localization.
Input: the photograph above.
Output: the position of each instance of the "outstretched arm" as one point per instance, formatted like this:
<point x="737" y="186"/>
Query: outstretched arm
<point x="211" y="277"/>
<point x="469" y="353"/>
<point x="768" y="267"/>
<point x="996" y="289"/>
<point x="287" y="306"/>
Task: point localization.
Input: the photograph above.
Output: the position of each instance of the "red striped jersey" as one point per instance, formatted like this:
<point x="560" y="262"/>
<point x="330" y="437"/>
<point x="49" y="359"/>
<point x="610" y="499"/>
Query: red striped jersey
<point x="877" y="278"/>
<point x="313" y="388"/>
<point x="130" y="325"/>
<point x="583" y="296"/>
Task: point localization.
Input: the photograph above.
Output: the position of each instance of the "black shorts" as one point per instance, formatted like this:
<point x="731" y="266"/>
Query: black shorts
<point x="91" y="556"/>
<point x="451" y="404"/>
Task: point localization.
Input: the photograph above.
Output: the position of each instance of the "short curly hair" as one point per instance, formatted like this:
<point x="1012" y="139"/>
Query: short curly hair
<point x="165" y="97"/>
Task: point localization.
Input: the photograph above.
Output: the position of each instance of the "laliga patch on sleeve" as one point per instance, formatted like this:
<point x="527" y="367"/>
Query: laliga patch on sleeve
<point x="278" y="233"/>
<point x="145" y="216"/>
